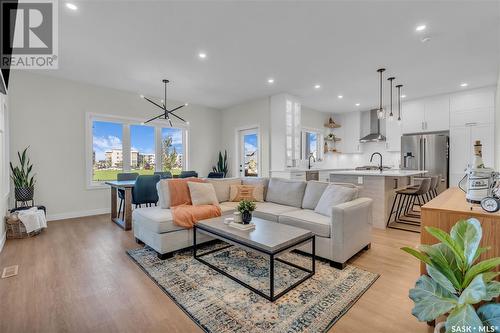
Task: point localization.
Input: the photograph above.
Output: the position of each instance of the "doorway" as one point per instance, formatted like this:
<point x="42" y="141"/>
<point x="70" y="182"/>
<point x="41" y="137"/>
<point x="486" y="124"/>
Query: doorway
<point x="248" y="151"/>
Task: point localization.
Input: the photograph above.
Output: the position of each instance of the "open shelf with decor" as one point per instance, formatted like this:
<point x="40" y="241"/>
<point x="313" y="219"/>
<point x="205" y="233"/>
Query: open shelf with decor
<point x="331" y="138"/>
<point x="332" y="124"/>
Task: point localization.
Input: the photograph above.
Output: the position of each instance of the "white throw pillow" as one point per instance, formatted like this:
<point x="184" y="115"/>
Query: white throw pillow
<point x="332" y="196"/>
<point x="202" y="194"/>
<point x="163" y="193"/>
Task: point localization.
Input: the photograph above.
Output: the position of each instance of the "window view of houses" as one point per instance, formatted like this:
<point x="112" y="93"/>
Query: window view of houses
<point x="108" y="151"/>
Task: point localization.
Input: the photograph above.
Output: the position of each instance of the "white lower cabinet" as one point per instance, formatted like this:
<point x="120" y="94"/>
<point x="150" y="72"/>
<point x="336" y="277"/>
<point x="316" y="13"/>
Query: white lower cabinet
<point x="289" y="174"/>
<point x="324" y="176"/>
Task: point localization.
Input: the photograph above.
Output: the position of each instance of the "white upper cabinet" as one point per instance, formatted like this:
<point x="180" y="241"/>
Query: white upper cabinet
<point x="437" y="114"/>
<point x="392" y="135"/>
<point x="426" y="115"/>
<point x="472" y="107"/>
<point x="285" y="131"/>
<point x="412" y="115"/>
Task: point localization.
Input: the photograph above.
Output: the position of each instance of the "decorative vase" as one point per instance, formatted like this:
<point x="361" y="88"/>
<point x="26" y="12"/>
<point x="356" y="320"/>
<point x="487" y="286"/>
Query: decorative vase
<point x="237" y="217"/>
<point x="24" y="193"/>
<point x="246" y="217"/>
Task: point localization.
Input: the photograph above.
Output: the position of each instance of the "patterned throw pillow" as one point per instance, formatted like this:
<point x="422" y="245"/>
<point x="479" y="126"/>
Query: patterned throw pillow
<point x="246" y="192"/>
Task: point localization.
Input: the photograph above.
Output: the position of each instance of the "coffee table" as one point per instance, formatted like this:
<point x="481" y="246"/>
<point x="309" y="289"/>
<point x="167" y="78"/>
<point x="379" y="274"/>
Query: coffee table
<point x="269" y="238"/>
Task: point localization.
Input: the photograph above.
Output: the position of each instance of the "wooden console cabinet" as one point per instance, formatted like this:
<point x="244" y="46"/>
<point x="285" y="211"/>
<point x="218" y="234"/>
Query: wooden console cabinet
<point x="449" y="207"/>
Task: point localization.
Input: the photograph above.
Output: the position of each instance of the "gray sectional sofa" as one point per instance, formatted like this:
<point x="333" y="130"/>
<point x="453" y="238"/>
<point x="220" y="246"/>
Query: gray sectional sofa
<point x="338" y="237"/>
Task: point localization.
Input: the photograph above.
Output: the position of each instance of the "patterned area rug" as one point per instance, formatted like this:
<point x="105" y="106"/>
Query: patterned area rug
<point x="219" y="305"/>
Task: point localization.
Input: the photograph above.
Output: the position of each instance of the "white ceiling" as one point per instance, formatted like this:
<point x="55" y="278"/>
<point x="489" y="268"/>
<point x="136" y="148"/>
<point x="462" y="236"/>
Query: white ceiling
<point x="133" y="45"/>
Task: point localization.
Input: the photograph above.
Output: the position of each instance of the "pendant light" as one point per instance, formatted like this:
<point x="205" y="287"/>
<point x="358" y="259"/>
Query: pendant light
<point x="166" y="113"/>
<point x="399" y="86"/>
<point x="391" y="115"/>
<point x="380" y="111"/>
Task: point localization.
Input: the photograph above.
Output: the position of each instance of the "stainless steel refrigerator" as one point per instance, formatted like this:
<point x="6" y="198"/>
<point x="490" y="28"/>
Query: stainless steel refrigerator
<point x="427" y="152"/>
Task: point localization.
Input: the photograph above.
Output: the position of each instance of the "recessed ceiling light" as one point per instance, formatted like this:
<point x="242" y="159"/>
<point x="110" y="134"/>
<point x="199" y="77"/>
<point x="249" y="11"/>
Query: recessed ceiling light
<point x="403" y="96"/>
<point x="463" y="84"/>
<point x="202" y="55"/>
<point x="340" y="96"/>
<point x="270" y="80"/>
<point x="317" y="86"/>
<point x="421" y="27"/>
<point x="357" y="104"/>
<point x="71" y="6"/>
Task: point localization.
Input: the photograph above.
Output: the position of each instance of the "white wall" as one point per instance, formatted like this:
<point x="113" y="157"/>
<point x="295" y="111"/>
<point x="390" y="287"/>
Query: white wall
<point x="246" y="115"/>
<point x="313" y="119"/>
<point x="4" y="165"/>
<point x="48" y="114"/>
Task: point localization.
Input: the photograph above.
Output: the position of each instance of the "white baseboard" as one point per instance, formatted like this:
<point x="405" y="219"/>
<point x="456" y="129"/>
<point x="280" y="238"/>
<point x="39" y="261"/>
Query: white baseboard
<point x="70" y="215"/>
<point x="2" y="241"/>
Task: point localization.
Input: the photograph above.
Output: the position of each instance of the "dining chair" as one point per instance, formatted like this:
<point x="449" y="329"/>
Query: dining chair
<point x="187" y="174"/>
<point x="123" y="176"/>
<point x="144" y="191"/>
<point x="164" y="174"/>
<point x="215" y="175"/>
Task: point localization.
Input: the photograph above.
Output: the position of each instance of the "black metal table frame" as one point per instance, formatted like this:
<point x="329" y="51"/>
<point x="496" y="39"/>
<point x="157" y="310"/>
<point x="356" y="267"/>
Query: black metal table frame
<point x="272" y="257"/>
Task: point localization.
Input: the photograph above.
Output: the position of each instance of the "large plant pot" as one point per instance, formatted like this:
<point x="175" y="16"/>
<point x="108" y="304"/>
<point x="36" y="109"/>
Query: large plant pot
<point x="246" y="217"/>
<point x="24" y="193"/>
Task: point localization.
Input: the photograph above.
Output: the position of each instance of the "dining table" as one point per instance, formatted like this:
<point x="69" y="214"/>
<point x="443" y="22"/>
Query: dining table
<point x="126" y="186"/>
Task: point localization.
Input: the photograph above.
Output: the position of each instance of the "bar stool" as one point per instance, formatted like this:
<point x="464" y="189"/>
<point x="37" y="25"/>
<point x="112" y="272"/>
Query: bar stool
<point x="407" y="197"/>
<point x="432" y="193"/>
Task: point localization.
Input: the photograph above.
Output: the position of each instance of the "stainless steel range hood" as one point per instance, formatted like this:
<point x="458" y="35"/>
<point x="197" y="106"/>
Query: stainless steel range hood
<point x="375" y="135"/>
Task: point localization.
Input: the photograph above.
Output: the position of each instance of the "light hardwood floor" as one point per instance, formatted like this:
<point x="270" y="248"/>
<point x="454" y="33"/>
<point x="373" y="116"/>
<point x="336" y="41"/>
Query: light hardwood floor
<point x="76" y="277"/>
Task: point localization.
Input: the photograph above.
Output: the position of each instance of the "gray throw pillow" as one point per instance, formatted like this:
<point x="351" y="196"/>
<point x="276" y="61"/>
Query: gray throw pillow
<point x="334" y="195"/>
<point x="314" y="190"/>
<point x="286" y="191"/>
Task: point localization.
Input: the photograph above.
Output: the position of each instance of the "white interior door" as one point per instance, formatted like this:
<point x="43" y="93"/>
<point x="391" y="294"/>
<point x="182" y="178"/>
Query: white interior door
<point x="248" y="151"/>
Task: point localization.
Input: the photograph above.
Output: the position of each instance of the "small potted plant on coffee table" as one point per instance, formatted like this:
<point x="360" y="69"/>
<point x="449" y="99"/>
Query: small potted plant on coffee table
<point x="246" y="207"/>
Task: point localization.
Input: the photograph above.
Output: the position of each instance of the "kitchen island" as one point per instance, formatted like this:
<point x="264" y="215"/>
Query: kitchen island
<point x="377" y="185"/>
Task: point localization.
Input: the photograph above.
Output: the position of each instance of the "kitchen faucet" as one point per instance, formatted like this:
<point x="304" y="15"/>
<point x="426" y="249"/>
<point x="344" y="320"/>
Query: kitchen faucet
<point x="309" y="160"/>
<point x="381" y="168"/>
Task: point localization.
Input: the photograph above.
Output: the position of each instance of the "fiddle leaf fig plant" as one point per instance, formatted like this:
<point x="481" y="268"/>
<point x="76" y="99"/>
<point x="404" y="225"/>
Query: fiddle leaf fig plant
<point x="456" y="282"/>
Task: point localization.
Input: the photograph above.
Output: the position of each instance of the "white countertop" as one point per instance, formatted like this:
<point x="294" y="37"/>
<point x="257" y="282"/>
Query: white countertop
<point x="385" y="173"/>
<point x="312" y="169"/>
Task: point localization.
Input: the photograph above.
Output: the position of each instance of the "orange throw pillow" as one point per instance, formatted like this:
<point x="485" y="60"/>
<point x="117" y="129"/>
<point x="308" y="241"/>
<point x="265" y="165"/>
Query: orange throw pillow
<point x="246" y="192"/>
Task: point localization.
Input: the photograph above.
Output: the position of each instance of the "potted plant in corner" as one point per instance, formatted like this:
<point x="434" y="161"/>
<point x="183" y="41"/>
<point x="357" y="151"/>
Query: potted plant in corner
<point x="24" y="181"/>
<point x="221" y="164"/>
<point x="246" y="208"/>
<point x="458" y="286"/>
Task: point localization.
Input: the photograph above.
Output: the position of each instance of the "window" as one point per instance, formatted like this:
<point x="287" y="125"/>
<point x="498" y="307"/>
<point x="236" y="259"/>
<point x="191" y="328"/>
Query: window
<point x="312" y="144"/>
<point x="118" y="145"/>
<point x="172" y="150"/>
<point x="107" y="152"/>
<point x="142" y="149"/>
